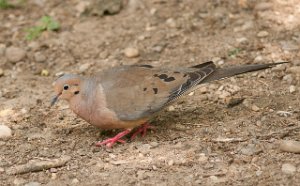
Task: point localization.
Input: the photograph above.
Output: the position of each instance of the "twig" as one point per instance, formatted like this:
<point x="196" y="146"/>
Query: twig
<point x="229" y="140"/>
<point x="195" y="124"/>
<point x="34" y="165"/>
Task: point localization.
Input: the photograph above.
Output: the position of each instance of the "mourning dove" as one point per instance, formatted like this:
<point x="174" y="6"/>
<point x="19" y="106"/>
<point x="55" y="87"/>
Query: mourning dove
<point x="128" y="96"/>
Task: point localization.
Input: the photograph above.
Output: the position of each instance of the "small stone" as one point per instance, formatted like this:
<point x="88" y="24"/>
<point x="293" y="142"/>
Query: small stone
<point x="242" y="40"/>
<point x="258" y="173"/>
<point x="203" y="89"/>
<point x="14" y="54"/>
<point x="288" y="78"/>
<point x="202" y="158"/>
<point x="154" y="144"/>
<point x="191" y="93"/>
<point x="171" y="23"/>
<point x="84" y="67"/>
<point x="262" y="34"/>
<point x="75" y="180"/>
<point x="5" y="131"/>
<point x="214" y="179"/>
<point x="290" y="146"/>
<point x="258" y="59"/>
<point x="153" y="11"/>
<point x="82" y="6"/>
<point x="44" y="72"/>
<point x="171" y="108"/>
<point x="288" y="168"/>
<point x="249" y="150"/>
<point x="1" y="72"/>
<point x="292" y="89"/>
<point x="158" y="48"/>
<point x="131" y="52"/>
<point x="171" y="162"/>
<point x="255" y="108"/>
<point x="53" y="170"/>
<point x="32" y="184"/>
<point x="39" y="57"/>
<point x="34" y="46"/>
<point x="1" y="170"/>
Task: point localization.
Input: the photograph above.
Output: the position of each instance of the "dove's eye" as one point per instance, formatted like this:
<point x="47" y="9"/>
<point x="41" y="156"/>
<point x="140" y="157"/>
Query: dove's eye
<point x="66" y="87"/>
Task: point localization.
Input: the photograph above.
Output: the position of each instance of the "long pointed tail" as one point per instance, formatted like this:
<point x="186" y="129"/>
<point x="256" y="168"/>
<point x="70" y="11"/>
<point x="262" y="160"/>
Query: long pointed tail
<point x="222" y="73"/>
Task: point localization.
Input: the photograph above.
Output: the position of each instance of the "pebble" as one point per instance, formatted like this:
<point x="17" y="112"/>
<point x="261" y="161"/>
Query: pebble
<point x="214" y="179"/>
<point x="5" y="131"/>
<point x="288" y="78"/>
<point x="171" y="23"/>
<point x="258" y="173"/>
<point x="171" y="108"/>
<point x="292" y="89"/>
<point x="171" y="162"/>
<point x="262" y="34"/>
<point x="131" y="52"/>
<point x="53" y="170"/>
<point x="154" y="144"/>
<point x="258" y="59"/>
<point x="288" y="168"/>
<point x="290" y="146"/>
<point x="84" y="67"/>
<point x="39" y="57"/>
<point x="249" y="150"/>
<point x="14" y="54"/>
<point x="32" y="184"/>
<point x="242" y="40"/>
<point x="255" y="108"/>
<point x="34" y="46"/>
<point x="82" y="6"/>
<point x="75" y="180"/>
<point x="44" y="72"/>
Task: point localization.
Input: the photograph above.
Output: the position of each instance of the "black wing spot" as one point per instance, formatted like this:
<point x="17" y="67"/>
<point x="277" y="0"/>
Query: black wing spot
<point x="163" y="76"/>
<point x="184" y="75"/>
<point x="176" y="72"/>
<point x="145" y="89"/>
<point x="155" y="90"/>
<point x="169" y="79"/>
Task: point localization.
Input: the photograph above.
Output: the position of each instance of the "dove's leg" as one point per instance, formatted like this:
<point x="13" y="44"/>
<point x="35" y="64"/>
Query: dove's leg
<point x="142" y="130"/>
<point x="111" y="141"/>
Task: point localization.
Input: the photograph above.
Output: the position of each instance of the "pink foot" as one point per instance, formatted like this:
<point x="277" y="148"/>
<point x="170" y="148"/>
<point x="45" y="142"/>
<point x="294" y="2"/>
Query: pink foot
<point x="111" y="141"/>
<point x="142" y="130"/>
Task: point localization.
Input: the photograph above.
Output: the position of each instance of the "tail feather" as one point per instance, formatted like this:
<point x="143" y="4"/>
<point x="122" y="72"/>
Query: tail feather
<point x="221" y="73"/>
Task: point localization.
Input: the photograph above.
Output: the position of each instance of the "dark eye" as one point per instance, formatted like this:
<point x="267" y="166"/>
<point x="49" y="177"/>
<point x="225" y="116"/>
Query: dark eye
<point x="66" y="87"/>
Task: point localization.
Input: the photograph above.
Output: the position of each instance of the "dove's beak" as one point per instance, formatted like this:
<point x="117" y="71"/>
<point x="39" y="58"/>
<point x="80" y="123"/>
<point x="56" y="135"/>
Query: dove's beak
<point x="54" y="100"/>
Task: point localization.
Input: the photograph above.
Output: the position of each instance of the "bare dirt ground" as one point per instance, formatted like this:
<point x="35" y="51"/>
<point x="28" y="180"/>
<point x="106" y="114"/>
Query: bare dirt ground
<point x="201" y="140"/>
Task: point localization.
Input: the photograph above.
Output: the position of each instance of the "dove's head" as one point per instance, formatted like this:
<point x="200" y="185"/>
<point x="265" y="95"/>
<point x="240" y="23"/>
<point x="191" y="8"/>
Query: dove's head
<point x="66" y="87"/>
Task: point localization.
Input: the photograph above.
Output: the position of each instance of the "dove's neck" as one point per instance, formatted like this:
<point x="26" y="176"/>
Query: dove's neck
<point x="90" y="104"/>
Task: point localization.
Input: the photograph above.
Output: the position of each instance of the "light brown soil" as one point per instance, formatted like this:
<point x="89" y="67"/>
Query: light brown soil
<point x="185" y="148"/>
